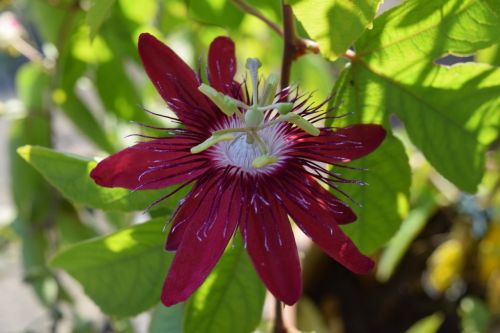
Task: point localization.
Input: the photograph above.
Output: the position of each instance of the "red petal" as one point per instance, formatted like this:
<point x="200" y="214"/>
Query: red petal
<point x="342" y="145"/>
<point x="202" y="246"/>
<point x="327" y="205"/>
<point x="175" y="81"/>
<point x="314" y="221"/>
<point x="222" y="65"/>
<point x="150" y="165"/>
<point x="184" y="214"/>
<point x="271" y="247"/>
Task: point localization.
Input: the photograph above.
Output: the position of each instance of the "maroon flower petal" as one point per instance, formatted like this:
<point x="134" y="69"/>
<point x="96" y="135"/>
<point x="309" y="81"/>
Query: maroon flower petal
<point x="342" y="145"/>
<point x="272" y="248"/>
<point x="311" y="218"/>
<point x="186" y="210"/>
<point x="328" y="206"/>
<point x="176" y="82"/>
<point x="150" y="165"/>
<point x="222" y="65"/>
<point x="210" y="228"/>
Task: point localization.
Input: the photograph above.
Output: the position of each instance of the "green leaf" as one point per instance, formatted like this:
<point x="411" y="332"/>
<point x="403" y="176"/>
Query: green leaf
<point x="335" y="24"/>
<point x="231" y="298"/>
<point x="450" y="113"/>
<point x="123" y="272"/>
<point x="429" y="324"/>
<point x="167" y="319"/>
<point x="416" y="33"/>
<point x="490" y="55"/>
<point x="69" y="227"/>
<point x="384" y="200"/>
<point x="97" y="14"/>
<point x="70" y="175"/>
<point x="399" y="244"/>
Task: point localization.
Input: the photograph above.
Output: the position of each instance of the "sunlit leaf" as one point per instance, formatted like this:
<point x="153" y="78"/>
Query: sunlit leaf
<point x="123" y="272"/>
<point x="70" y="175"/>
<point x="335" y="24"/>
<point x="450" y="113"/>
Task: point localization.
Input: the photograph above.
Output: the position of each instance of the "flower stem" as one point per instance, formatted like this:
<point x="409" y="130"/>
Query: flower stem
<point x="289" y="50"/>
<point x="279" y="327"/>
<point x="289" y="47"/>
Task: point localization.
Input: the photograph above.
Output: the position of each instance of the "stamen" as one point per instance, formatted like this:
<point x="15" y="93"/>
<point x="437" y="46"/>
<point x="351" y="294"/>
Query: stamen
<point x="301" y="123"/>
<point x="213" y="140"/>
<point x="264" y="160"/>
<point x="223" y="102"/>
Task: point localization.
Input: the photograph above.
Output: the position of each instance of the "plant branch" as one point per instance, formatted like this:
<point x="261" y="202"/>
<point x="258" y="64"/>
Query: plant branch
<point x="289" y="53"/>
<point x="279" y="327"/>
<point x="289" y="44"/>
<point x="252" y="11"/>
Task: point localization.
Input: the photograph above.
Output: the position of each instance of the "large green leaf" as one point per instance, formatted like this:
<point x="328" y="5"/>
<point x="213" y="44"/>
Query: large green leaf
<point x="231" y="298"/>
<point x="450" y="113"/>
<point x="70" y="175"/>
<point x="418" y="32"/>
<point x="123" y="272"/>
<point x="335" y="24"/>
<point x="384" y="201"/>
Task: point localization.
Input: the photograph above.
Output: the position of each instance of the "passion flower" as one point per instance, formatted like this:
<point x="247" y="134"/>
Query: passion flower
<point x="254" y="161"/>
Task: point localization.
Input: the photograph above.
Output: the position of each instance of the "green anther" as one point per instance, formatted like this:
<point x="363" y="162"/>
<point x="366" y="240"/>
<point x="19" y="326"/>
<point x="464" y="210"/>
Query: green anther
<point x="223" y="102"/>
<point x="253" y="117"/>
<point x="264" y="160"/>
<point x="269" y="90"/>
<point x="208" y="91"/>
<point x="213" y="140"/>
<point x="284" y="108"/>
<point x="302" y="123"/>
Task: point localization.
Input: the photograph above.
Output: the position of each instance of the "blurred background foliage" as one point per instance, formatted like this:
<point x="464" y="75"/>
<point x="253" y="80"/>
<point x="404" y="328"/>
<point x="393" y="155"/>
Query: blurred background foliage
<point x="71" y="84"/>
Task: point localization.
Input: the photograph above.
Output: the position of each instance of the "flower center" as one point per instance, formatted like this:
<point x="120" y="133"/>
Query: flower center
<point x="251" y="138"/>
<point x="241" y="154"/>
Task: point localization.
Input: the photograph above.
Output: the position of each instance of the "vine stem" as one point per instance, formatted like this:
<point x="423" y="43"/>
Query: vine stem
<point x="278" y="326"/>
<point x="289" y="53"/>
<point x="289" y="44"/>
